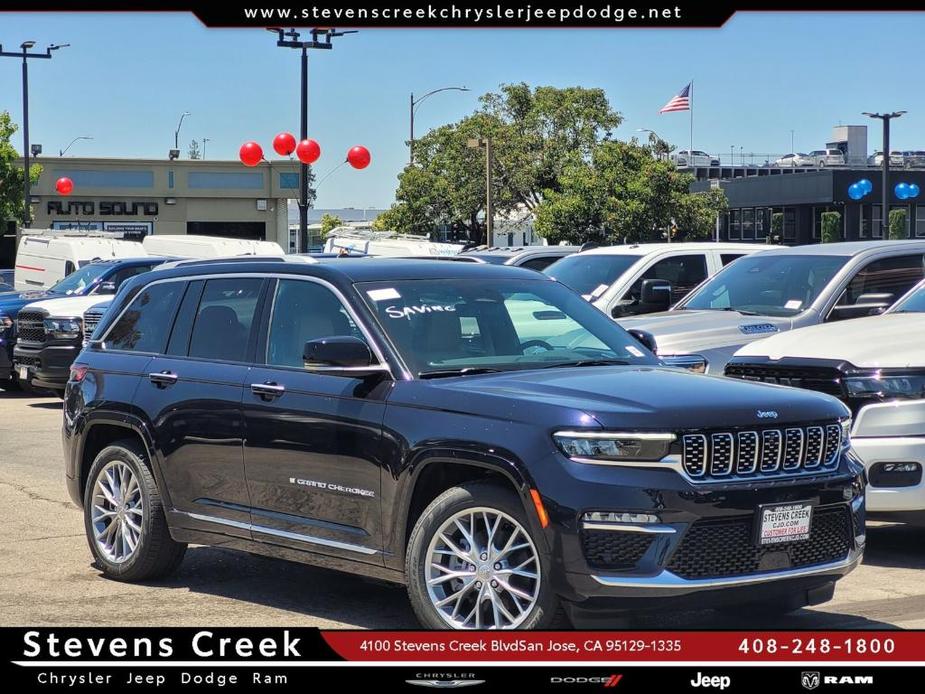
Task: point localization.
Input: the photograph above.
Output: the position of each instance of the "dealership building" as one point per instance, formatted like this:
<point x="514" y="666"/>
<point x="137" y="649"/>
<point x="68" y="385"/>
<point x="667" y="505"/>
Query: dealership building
<point x="802" y="197"/>
<point x="136" y="197"/>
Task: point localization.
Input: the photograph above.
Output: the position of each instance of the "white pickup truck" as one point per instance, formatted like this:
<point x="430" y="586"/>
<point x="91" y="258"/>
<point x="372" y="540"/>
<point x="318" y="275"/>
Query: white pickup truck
<point x="876" y="366"/>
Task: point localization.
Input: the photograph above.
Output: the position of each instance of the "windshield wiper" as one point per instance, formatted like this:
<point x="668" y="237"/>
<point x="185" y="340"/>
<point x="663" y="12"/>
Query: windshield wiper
<point x="589" y="362"/>
<point x="449" y="373"/>
<point x="739" y="310"/>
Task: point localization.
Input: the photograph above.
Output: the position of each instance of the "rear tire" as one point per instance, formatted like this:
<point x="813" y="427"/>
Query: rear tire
<point x="501" y="579"/>
<point x="124" y="516"/>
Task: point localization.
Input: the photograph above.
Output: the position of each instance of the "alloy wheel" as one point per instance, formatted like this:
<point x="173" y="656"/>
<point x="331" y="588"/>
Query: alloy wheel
<point x="482" y="570"/>
<point x="117" y="512"/>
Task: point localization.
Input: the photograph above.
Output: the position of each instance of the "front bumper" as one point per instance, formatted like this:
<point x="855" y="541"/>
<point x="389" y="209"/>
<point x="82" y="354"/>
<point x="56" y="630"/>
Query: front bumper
<point x="701" y="550"/>
<point x="48" y="366"/>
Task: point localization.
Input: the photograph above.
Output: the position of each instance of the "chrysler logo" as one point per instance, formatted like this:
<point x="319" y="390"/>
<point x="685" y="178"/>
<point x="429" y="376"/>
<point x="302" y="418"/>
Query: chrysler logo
<point x="445" y="684"/>
<point x="767" y="414"/>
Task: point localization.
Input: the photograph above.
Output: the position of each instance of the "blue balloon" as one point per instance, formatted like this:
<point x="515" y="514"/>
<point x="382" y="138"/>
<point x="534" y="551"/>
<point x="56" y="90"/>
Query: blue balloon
<point x="866" y="185"/>
<point x="855" y="192"/>
<point x="913" y="191"/>
<point x="901" y="190"/>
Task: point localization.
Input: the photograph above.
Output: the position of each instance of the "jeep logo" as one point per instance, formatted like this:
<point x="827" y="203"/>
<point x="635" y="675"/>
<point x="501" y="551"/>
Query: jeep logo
<point x="767" y="414"/>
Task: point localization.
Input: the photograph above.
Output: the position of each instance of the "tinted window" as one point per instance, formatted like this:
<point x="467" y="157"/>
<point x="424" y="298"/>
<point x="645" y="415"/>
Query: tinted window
<point x="539" y="264"/>
<point x="77" y="282"/>
<point x="124" y="273"/>
<point x="727" y="258"/>
<point x="304" y="311"/>
<point x="591" y="275"/>
<point x="146" y="323"/>
<point x="891" y="276"/>
<point x="684" y="272"/>
<point x="183" y="325"/>
<point x="224" y="319"/>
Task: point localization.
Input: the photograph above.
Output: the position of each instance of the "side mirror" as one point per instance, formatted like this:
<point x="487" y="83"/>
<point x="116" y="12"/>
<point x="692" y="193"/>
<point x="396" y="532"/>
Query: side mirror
<point x="865" y="305"/>
<point x="106" y="288"/>
<point x="340" y="355"/>
<point x="645" y="338"/>
<point x="655" y="294"/>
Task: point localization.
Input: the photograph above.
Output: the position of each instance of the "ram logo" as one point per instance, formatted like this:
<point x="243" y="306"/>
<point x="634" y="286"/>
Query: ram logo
<point x="809" y="680"/>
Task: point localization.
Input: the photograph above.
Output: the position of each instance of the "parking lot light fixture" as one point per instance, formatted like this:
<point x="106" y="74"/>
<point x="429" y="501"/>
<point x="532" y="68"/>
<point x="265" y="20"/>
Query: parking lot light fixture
<point x="885" y="163"/>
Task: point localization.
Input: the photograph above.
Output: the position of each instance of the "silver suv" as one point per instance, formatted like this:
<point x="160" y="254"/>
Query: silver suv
<point x="781" y="289"/>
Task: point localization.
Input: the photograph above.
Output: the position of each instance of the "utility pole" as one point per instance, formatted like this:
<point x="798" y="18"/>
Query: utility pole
<point x="26" y="56"/>
<point x="485" y="142"/>
<point x="885" y="203"/>
<point x="320" y="39"/>
<point x="204" y="140"/>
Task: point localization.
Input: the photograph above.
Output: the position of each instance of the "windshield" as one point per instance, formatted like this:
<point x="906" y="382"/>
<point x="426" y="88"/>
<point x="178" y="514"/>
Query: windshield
<point x="590" y="275"/>
<point x="77" y="282"/>
<point x="443" y="326"/>
<point x="767" y="284"/>
<point x="914" y="303"/>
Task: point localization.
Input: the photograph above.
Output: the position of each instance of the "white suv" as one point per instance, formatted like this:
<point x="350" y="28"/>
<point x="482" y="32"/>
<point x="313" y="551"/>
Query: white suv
<point x="643" y="278"/>
<point x="827" y="157"/>
<point x="876" y="366"/>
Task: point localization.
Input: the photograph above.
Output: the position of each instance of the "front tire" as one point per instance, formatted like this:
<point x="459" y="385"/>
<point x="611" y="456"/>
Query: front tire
<point x="473" y="563"/>
<point x="124" y="516"/>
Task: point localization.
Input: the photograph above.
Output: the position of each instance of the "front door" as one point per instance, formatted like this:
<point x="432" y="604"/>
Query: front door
<point x="312" y="454"/>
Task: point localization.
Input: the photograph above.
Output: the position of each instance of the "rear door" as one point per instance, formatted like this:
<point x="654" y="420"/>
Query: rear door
<point x="313" y="451"/>
<point x="192" y="393"/>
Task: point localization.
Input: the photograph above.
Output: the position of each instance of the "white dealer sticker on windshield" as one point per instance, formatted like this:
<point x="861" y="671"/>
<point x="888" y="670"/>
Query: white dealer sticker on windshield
<point x="793" y="304"/>
<point x="601" y="288"/>
<point x="635" y="351"/>
<point x="383" y="294"/>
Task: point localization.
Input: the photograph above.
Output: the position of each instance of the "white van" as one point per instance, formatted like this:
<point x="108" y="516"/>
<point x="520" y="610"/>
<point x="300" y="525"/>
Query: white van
<point x="44" y="260"/>
<point x="192" y="246"/>
<point x="387" y="244"/>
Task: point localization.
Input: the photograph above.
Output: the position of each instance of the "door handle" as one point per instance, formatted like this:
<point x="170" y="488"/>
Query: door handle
<point x="267" y="391"/>
<point x="163" y="379"/>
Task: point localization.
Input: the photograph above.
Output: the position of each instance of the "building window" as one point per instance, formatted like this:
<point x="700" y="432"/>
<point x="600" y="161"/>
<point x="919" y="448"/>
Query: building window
<point x="790" y="224"/>
<point x="225" y="179"/>
<point x="735" y="225"/>
<point x="761" y="223"/>
<point x="876" y="223"/>
<point x="106" y="178"/>
<point x="289" y="181"/>
<point x="866" y="222"/>
<point x="920" y="220"/>
<point x="170" y="179"/>
<point x="748" y="224"/>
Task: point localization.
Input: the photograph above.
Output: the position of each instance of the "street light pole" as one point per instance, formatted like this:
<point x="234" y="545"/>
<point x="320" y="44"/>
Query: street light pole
<point x="791" y="142"/>
<point x="321" y="40"/>
<point x="62" y="152"/>
<point x="413" y="103"/>
<point x="26" y="56"/>
<point x="176" y="134"/>
<point x="475" y="143"/>
<point x="204" y="140"/>
<point x="885" y="202"/>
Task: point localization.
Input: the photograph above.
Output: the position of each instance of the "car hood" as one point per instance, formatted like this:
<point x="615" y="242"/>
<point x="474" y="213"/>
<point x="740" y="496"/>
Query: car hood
<point x="680" y="332"/>
<point x="66" y="307"/>
<point x="13" y="301"/>
<point x="638" y="397"/>
<point x="893" y="340"/>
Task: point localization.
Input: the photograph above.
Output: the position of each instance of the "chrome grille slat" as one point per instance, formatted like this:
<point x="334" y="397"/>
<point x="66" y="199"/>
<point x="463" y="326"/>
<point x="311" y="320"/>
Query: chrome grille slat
<point x="747" y="459"/>
<point x="30" y="327"/>
<point x="91" y="320"/>
<point x="783" y="452"/>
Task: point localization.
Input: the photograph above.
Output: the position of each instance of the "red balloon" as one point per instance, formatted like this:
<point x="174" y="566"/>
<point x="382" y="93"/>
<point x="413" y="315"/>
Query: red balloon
<point x="64" y="185"/>
<point x="251" y="154"/>
<point x="359" y="157"/>
<point x="308" y="151"/>
<point x="284" y="144"/>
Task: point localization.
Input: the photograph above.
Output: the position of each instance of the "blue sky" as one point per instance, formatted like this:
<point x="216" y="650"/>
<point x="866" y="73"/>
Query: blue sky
<point x="127" y="77"/>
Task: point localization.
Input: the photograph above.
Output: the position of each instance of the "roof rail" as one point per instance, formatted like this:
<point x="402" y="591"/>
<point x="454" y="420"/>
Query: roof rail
<point x="187" y="262"/>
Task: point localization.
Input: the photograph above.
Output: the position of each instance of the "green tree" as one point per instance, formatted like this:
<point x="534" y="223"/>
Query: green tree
<point x="11" y="174"/>
<point x="831" y="221"/>
<point x="193" y="151"/>
<point x="777" y="228"/>
<point x="624" y="194"/>
<point x="898" y="224"/>
<point x="329" y="222"/>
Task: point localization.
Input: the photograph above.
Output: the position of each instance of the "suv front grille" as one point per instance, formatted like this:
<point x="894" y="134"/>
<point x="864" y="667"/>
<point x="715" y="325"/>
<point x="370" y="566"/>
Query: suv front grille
<point x="772" y="451"/>
<point x="726" y="547"/>
<point x="92" y="318"/>
<point x="30" y="327"/>
<point x="823" y="379"/>
<point x="614" y="550"/>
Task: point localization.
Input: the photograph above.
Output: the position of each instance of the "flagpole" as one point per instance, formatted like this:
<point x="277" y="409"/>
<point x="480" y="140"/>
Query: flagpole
<point x="691" y="102"/>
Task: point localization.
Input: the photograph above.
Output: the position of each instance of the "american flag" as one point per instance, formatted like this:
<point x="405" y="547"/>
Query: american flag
<point x="681" y="102"/>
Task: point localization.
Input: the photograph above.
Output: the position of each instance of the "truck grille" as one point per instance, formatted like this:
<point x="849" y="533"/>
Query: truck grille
<point x="92" y="318"/>
<point x="773" y="451"/>
<point x="609" y="549"/>
<point x="726" y="547"/>
<point x="819" y="378"/>
<point x="30" y="327"/>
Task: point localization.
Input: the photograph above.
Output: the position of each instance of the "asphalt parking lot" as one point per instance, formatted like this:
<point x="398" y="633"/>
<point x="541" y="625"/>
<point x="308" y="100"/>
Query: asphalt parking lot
<point x="47" y="577"/>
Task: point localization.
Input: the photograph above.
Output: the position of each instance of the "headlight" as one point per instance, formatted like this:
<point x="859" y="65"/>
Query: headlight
<point x="64" y="328"/>
<point x="885" y="386"/>
<point x="603" y="445"/>
<point x="846" y="431"/>
<point x="691" y="362"/>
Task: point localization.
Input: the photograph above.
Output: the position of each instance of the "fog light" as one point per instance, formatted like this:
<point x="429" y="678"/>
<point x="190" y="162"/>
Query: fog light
<point x="612" y="517"/>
